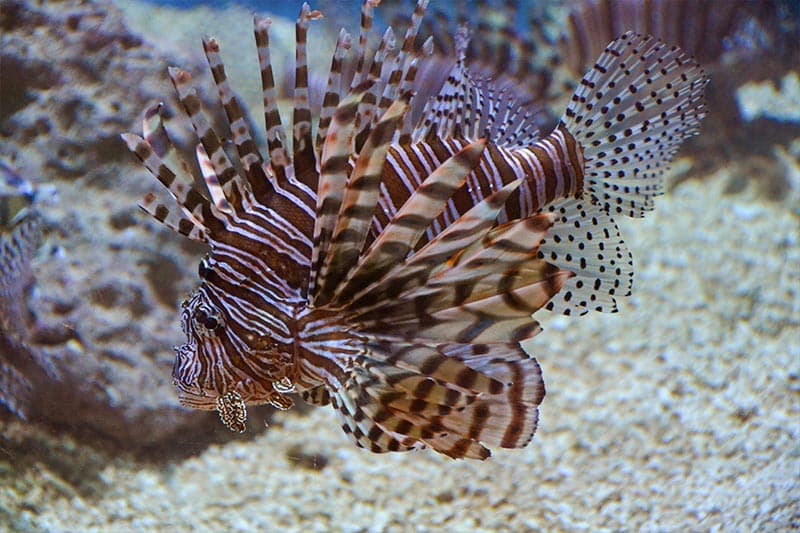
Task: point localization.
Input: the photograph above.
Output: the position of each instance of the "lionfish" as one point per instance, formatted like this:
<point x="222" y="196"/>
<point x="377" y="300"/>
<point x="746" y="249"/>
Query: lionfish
<point x="391" y="269"/>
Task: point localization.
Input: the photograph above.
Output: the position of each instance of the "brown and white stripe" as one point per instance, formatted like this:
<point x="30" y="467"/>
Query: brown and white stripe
<point x="550" y="169"/>
<point x="391" y="271"/>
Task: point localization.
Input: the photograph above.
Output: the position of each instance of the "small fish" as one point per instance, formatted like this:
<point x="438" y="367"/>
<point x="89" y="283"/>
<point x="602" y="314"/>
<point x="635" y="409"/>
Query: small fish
<point x="390" y="268"/>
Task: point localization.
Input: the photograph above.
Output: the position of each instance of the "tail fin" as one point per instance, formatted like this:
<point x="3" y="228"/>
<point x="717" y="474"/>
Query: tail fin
<point x="630" y="114"/>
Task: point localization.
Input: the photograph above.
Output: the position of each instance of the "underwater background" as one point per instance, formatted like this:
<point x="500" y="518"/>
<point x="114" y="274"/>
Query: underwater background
<point x="680" y="412"/>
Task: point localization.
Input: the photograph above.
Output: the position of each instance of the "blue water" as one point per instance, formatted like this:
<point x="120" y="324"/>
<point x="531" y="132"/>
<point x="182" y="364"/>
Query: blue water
<point x="284" y="9"/>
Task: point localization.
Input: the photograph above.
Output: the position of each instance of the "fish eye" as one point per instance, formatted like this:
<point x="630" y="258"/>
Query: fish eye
<point x="207" y="319"/>
<point x="210" y="322"/>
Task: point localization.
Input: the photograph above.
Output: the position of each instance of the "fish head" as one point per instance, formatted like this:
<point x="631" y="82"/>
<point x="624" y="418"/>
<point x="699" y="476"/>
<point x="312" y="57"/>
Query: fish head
<point x="232" y="347"/>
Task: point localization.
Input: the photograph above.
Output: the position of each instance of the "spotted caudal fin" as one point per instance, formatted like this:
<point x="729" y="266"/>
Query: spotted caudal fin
<point x="630" y="114"/>
<point x="457" y="399"/>
<point x="585" y="240"/>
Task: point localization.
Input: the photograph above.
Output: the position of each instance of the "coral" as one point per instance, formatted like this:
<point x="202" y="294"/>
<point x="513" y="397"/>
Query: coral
<point x="765" y="100"/>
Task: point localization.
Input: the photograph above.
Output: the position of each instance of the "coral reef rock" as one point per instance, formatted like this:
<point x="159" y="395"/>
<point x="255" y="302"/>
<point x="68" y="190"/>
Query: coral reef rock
<point x="113" y="282"/>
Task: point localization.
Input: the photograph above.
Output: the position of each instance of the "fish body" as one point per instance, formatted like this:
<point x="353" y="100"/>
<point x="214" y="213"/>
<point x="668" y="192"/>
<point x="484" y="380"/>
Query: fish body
<point x="391" y="269"/>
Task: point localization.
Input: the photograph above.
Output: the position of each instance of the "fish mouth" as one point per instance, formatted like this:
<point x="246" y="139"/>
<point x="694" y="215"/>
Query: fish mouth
<point x="185" y="378"/>
<point x="195" y="400"/>
<point x="194" y="394"/>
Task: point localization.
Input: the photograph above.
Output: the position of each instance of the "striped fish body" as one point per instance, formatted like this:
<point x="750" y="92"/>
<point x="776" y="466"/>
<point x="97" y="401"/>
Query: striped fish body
<point x="392" y="269"/>
<point x="549" y="169"/>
